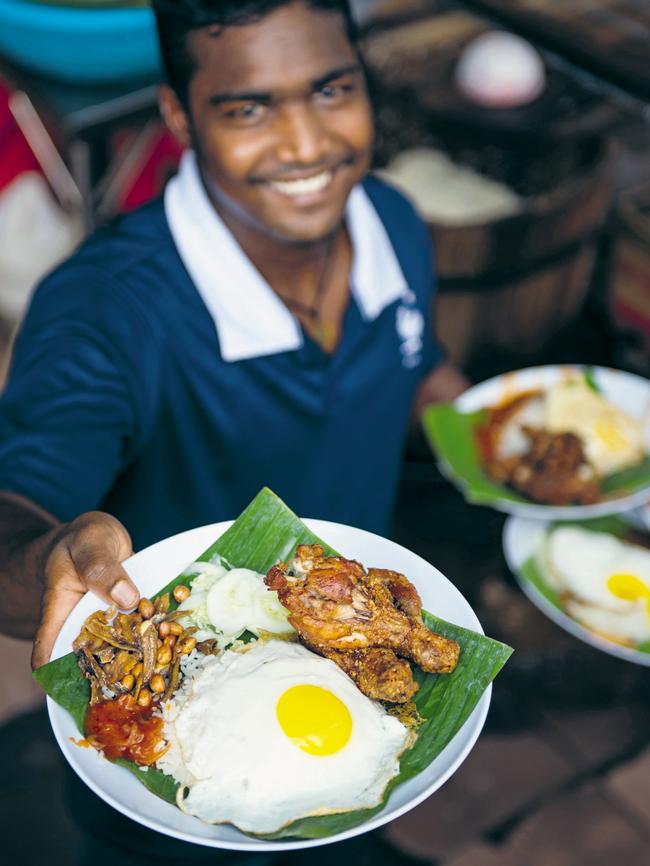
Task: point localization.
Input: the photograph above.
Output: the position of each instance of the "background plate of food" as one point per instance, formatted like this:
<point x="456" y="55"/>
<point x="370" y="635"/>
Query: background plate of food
<point x="554" y="442"/>
<point x="225" y="730"/>
<point x="591" y="577"/>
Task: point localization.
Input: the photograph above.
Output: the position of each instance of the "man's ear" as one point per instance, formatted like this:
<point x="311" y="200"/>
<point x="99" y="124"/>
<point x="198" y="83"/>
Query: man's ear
<point x="174" y="115"/>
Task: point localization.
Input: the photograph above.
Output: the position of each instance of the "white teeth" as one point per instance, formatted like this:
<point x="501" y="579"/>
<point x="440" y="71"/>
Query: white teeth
<point x="303" y="186"/>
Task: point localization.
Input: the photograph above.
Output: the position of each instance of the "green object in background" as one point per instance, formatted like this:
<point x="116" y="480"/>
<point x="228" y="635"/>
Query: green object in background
<point x="265" y="533"/>
<point x="452" y="435"/>
<point x="590" y="379"/>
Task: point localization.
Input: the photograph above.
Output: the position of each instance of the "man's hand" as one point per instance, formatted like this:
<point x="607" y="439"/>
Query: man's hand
<point x="443" y="385"/>
<point x="86" y="555"/>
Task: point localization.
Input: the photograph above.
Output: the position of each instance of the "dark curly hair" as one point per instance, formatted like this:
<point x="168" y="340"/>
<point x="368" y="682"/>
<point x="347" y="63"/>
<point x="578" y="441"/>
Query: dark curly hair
<point x="176" y="18"/>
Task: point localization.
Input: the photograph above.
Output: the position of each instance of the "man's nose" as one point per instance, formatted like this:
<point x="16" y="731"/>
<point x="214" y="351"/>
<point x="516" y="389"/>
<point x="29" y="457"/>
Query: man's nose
<point x="302" y="138"/>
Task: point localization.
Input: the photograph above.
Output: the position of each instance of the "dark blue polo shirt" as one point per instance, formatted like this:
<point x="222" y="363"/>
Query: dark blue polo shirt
<point x="119" y="399"/>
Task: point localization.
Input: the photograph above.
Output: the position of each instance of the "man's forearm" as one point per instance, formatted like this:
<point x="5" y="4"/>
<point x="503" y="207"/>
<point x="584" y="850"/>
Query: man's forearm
<point x="27" y="534"/>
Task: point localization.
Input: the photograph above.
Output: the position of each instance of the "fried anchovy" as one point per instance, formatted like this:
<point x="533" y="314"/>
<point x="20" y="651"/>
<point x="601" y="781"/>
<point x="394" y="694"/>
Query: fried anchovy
<point x="106" y="633"/>
<point x="148" y="638"/>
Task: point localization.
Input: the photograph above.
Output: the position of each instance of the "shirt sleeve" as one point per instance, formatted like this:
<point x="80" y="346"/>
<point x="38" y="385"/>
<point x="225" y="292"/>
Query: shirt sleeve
<point x="80" y="398"/>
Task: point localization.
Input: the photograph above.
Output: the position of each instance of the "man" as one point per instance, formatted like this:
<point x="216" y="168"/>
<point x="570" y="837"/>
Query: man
<point x="267" y="322"/>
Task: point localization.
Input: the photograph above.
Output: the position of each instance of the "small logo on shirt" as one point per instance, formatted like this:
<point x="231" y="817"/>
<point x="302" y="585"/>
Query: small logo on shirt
<point x="409" y="323"/>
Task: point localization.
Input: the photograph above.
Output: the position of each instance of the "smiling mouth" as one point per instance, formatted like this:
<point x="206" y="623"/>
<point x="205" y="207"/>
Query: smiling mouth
<point x="303" y="185"/>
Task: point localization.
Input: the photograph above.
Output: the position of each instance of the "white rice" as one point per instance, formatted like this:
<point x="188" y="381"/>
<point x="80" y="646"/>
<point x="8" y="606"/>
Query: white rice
<point x="172" y="761"/>
<point x="192" y="665"/>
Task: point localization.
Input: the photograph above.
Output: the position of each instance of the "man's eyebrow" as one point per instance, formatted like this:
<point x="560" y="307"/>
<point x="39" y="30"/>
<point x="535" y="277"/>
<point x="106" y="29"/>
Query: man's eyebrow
<point x="265" y="97"/>
<point x="350" y="69"/>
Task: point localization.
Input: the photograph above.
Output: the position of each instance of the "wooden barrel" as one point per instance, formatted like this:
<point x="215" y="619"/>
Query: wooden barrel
<point x="509" y="284"/>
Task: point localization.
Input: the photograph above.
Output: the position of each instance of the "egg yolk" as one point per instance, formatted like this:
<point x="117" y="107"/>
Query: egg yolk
<point x="610" y="435"/>
<point x="314" y="719"/>
<point x="628" y="587"/>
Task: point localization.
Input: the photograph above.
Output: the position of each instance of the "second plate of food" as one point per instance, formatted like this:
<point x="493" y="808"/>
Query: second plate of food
<point x="591" y="577"/>
<point x="554" y="442"/>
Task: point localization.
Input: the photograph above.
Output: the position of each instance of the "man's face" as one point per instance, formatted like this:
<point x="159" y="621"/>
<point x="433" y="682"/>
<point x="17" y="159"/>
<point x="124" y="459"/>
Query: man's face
<point x="280" y="120"/>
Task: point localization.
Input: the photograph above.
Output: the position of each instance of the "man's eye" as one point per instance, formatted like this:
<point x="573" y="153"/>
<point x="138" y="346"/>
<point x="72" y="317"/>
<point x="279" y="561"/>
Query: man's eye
<point x="247" y="112"/>
<point x="333" y="92"/>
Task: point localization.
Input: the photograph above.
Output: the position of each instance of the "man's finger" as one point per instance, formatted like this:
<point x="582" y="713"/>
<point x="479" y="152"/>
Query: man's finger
<point x="108" y="580"/>
<point x="97" y="556"/>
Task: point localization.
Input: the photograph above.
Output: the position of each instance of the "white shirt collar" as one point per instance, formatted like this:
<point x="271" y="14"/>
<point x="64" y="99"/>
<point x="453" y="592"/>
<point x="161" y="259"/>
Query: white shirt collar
<point x="250" y="319"/>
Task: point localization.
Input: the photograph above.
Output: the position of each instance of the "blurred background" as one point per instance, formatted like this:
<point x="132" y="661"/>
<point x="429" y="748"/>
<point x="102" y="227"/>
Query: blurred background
<point x="522" y="130"/>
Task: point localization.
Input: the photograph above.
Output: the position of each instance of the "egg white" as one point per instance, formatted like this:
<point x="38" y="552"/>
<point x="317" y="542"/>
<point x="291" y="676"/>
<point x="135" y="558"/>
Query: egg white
<point x="612" y="439"/>
<point x="628" y="628"/>
<point x="228" y="747"/>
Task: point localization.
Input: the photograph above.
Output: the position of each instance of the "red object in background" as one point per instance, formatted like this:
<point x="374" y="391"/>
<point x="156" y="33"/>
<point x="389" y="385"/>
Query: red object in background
<point x="150" y="155"/>
<point x="16" y="156"/>
<point x="154" y="154"/>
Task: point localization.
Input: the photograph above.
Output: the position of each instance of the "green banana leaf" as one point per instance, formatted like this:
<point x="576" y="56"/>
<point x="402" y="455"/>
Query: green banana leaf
<point x="451" y="434"/>
<point x="266" y="532"/>
<point x="533" y="571"/>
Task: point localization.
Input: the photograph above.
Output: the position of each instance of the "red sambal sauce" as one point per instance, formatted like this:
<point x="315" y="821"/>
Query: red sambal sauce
<point x="123" y="729"/>
<point x="487" y="434"/>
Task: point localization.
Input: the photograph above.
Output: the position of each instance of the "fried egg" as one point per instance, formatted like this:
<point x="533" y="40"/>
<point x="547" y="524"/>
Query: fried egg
<point x="605" y="582"/>
<point x="274" y="733"/>
<point x="612" y="439"/>
<point x="225" y="603"/>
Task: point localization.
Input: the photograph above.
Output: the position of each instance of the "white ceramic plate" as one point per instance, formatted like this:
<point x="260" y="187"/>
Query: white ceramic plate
<point x="153" y="568"/>
<point x="521" y="539"/>
<point x="629" y="392"/>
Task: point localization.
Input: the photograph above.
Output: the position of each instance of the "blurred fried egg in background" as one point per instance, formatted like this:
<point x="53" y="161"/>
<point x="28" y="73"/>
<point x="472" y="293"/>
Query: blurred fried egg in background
<point x="612" y="440"/>
<point x="603" y="582"/>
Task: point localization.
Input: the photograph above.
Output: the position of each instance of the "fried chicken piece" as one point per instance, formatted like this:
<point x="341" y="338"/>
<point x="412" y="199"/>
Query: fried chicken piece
<point x="336" y="607"/>
<point x="378" y="673"/>
<point x="555" y="470"/>
<point x="432" y="652"/>
<point x="551" y="468"/>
